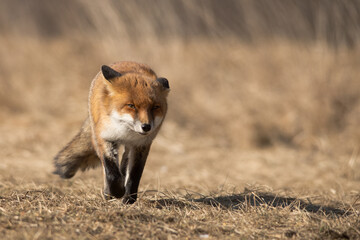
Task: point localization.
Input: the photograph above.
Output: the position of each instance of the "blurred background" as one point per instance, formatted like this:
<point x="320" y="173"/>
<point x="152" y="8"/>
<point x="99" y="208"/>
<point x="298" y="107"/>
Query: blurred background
<point x="243" y="74"/>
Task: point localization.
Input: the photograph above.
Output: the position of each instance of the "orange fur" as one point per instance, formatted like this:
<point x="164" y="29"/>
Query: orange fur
<point x="127" y="105"/>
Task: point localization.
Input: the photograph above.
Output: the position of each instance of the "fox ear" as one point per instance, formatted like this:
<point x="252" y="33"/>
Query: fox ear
<point x="109" y="73"/>
<point x="164" y="82"/>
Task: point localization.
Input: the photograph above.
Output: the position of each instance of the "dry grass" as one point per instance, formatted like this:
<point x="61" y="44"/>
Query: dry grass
<point x="75" y="209"/>
<point x="261" y="140"/>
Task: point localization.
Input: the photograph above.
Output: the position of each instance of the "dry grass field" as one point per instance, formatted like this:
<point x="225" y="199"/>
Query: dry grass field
<point x="261" y="140"/>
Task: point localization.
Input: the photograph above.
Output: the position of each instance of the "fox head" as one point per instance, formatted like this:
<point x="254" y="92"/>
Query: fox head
<point x="135" y="100"/>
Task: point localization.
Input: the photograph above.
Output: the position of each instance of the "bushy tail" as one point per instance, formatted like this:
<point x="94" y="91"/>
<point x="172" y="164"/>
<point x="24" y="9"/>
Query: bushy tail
<point x="79" y="153"/>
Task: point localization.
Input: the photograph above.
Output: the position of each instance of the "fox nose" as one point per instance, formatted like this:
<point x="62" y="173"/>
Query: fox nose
<point x="146" y="127"/>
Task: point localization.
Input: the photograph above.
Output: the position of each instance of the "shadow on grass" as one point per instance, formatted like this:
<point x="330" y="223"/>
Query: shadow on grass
<point x="244" y="200"/>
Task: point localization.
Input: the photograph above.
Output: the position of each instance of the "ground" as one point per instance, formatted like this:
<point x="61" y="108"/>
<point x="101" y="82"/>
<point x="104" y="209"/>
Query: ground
<point x="186" y="192"/>
<point x="261" y="142"/>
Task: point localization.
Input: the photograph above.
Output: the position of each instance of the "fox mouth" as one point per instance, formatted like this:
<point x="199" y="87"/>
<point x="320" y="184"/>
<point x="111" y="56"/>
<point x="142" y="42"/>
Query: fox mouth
<point x="143" y="133"/>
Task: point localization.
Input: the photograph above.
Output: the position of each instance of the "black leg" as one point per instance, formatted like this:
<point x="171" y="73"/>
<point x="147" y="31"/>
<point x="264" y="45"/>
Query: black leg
<point x="114" y="180"/>
<point x="124" y="161"/>
<point x="136" y="160"/>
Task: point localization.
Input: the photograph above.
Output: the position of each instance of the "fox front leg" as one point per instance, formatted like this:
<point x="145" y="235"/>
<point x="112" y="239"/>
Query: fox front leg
<point x="132" y="165"/>
<point x="113" y="179"/>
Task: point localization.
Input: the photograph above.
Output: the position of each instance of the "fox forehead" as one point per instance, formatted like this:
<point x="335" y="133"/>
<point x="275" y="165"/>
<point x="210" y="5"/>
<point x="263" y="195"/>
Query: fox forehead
<point x="137" y="89"/>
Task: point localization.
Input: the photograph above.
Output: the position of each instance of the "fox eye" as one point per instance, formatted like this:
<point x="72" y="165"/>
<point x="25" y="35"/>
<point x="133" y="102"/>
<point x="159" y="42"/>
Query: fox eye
<point x="155" y="107"/>
<point x="131" y="106"/>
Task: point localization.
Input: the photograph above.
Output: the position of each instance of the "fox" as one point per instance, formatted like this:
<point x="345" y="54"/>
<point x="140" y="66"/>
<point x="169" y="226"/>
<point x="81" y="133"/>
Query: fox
<point x="126" y="107"/>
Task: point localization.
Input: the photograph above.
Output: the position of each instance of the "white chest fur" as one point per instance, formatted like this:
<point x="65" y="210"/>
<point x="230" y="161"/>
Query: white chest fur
<point x="121" y="128"/>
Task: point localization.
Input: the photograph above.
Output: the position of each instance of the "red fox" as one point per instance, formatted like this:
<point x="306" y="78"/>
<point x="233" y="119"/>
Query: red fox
<point x="127" y="106"/>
